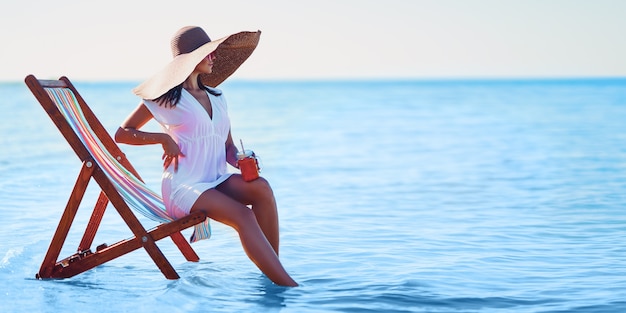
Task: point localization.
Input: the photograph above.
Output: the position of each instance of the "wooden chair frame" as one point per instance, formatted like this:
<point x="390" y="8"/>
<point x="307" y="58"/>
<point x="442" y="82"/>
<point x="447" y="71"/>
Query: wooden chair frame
<point x="85" y="259"/>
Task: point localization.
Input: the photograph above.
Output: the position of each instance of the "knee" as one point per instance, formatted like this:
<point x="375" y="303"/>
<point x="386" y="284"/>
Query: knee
<point x="244" y="219"/>
<point x="263" y="190"/>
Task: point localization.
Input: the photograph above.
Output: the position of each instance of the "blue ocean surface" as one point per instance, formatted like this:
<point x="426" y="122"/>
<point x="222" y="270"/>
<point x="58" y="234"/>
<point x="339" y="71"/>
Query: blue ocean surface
<point x="394" y="196"/>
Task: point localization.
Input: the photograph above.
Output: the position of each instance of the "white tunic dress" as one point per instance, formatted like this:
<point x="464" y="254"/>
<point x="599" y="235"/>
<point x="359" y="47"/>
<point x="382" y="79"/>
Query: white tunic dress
<point x="201" y="140"/>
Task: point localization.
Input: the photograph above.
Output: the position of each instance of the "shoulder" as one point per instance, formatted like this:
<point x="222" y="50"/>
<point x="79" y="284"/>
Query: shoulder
<point x="214" y="91"/>
<point x="150" y="104"/>
<point x="155" y="108"/>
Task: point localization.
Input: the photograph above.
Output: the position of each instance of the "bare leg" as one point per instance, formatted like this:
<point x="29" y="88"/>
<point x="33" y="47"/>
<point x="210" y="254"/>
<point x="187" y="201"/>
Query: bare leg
<point x="260" y="196"/>
<point x="224" y="209"/>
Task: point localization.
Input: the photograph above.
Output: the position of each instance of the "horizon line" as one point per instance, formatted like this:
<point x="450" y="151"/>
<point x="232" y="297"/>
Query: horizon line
<point x="359" y="79"/>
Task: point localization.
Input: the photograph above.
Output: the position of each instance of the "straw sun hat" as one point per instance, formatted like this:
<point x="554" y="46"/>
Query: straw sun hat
<point x="189" y="46"/>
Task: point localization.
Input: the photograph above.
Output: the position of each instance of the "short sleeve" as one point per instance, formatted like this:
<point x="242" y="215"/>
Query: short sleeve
<point x="164" y="115"/>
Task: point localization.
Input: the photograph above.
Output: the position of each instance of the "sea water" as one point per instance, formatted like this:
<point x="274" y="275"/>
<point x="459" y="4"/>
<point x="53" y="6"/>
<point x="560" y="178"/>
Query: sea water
<point x="394" y="196"/>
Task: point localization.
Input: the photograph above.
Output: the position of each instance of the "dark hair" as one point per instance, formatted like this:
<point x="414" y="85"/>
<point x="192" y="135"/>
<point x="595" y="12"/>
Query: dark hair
<point x="172" y="96"/>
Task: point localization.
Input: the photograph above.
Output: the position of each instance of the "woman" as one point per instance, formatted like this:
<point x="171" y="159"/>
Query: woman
<point x="197" y="143"/>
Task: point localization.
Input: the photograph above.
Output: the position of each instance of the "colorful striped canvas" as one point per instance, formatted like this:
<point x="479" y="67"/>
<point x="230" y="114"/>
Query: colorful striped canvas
<point x="135" y="192"/>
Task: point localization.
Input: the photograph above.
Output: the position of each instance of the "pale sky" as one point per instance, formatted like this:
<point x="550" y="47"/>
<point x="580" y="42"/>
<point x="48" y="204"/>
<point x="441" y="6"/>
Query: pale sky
<point x="337" y="39"/>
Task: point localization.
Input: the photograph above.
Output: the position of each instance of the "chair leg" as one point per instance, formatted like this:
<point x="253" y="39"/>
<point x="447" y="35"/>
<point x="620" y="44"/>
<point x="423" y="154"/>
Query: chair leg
<point x="94" y="223"/>
<point x="49" y="261"/>
<point x="184" y="247"/>
<point x="159" y="259"/>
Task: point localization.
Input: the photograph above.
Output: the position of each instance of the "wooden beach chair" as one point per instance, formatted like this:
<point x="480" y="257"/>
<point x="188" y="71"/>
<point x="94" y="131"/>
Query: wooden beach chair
<point x="103" y="161"/>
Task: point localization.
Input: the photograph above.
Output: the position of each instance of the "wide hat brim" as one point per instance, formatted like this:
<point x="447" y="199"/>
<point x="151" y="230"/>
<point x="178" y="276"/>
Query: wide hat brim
<point x="230" y="52"/>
